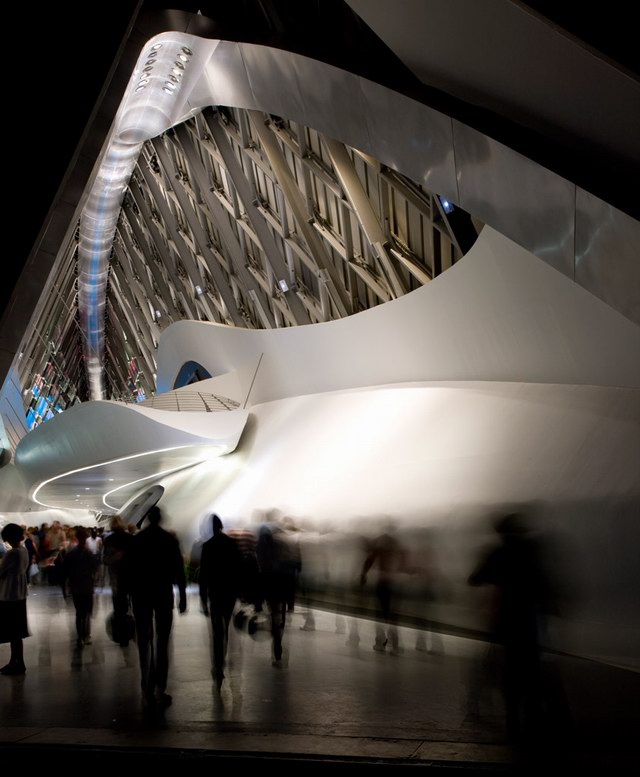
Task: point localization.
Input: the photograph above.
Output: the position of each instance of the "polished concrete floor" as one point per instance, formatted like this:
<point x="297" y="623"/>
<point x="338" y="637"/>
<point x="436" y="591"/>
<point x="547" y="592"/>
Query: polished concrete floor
<point x="329" y="699"/>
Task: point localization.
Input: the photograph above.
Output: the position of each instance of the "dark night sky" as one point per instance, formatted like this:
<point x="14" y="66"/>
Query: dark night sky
<point x="59" y="39"/>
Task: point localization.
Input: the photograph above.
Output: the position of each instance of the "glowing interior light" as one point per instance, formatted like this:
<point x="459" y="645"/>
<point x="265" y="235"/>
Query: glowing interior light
<point x="148" y="477"/>
<point x="284" y="286"/>
<point x="447" y="207"/>
<point x="101" y="464"/>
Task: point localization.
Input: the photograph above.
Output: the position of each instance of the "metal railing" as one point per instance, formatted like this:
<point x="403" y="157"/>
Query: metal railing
<point x="189" y="402"/>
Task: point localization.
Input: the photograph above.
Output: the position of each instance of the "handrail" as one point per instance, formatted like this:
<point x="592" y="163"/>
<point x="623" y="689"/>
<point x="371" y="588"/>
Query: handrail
<point x="189" y="402"/>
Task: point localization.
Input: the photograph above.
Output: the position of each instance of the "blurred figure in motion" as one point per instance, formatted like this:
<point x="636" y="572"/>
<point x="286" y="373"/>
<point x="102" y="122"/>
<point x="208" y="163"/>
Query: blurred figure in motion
<point x="79" y="569"/>
<point x="313" y="575"/>
<point x="221" y="567"/>
<point x="274" y="555"/>
<point x="114" y="549"/>
<point x="291" y="562"/>
<point x="521" y="600"/>
<point x="250" y="586"/>
<point x="95" y="545"/>
<point x="32" y="551"/>
<point x="388" y="557"/>
<point x="154" y="564"/>
<point x="427" y="584"/>
<point x="56" y="543"/>
<point x="13" y="598"/>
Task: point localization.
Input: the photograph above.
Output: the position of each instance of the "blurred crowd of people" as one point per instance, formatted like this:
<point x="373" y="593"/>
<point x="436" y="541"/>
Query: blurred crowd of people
<point x="255" y="573"/>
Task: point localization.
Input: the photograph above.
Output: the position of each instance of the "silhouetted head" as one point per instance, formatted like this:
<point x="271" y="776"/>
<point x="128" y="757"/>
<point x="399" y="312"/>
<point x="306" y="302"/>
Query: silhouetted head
<point x="13" y="534"/>
<point x="154" y="516"/>
<point x="512" y="526"/>
<point x="81" y="536"/>
<point x="217" y="524"/>
<point x="116" y="523"/>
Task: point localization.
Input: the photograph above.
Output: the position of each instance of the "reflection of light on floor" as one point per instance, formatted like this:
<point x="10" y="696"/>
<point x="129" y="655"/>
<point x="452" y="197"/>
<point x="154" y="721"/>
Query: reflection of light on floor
<point x="334" y="693"/>
<point x="329" y="681"/>
<point x="51" y="615"/>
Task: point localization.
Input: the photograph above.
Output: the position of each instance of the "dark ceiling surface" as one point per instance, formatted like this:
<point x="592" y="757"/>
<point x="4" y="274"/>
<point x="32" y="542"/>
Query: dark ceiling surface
<point x="610" y="30"/>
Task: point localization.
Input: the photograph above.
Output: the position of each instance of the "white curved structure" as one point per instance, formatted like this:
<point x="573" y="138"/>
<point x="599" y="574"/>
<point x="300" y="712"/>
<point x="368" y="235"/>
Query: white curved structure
<point x="502" y="380"/>
<point x="178" y="74"/>
<point x="498" y="315"/>
<point x="499" y="382"/>
<point x="97" y="455"/>
<point x="546" y="378"/>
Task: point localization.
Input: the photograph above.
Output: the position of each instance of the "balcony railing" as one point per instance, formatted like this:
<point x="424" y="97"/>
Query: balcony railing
<point x="189" y="402"/>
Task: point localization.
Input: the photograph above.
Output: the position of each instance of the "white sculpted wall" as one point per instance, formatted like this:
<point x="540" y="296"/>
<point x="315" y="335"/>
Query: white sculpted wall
<point x="500" y="384"/>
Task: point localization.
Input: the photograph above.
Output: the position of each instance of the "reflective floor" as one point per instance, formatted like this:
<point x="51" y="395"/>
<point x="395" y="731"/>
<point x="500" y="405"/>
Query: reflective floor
<point x="333" y="696"/>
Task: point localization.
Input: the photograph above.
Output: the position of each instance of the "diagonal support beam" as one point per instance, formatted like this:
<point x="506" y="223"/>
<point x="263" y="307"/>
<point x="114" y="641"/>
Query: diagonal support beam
<point x="247" y="197"/>
<point x="140" y="312"/>
<point x="146" y="247"/>
<point x="296" y="201"/>
<point x="140" y="268"/>
<point x="119" y="351"/>
<point x="119" y="314"/>
<point x="180" y="247"/>
<point x="143" y="300"/>
<point x="218" y="274"/>
<point x="138" y="341"/>
<point x="359" y="201"/>
<point x="221" y="220"/>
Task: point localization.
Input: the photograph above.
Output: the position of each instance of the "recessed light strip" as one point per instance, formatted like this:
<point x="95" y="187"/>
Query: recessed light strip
<point x="147" y="477"/>
<point x="95" y="466"/>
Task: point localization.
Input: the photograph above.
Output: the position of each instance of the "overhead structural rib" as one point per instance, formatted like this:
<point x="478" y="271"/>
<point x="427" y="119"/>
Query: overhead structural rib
<point x="157" y="97"/>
